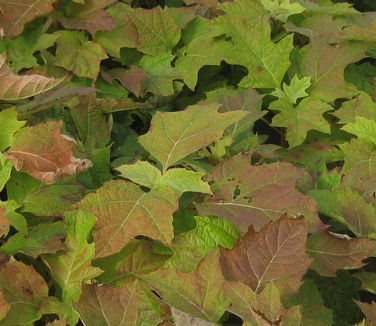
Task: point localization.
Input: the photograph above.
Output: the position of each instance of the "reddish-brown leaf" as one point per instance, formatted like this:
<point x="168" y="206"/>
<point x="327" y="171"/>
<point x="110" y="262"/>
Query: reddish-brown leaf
<point x="16" y="13"/>
<point x="369" y="310"/>
<point x="4" y="222"/>
<point x="255" y="195"/>
<point x="124" y="211"/>
<point x="332" y="252"/>
<point x="131" y="79"/>
<point x="276" y="253"/>
<point x="45" y="153"/>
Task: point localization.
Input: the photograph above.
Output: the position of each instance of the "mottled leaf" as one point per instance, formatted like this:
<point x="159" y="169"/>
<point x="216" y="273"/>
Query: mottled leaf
<point x="124" y="211"/>
<point x="199" y="293"/>
<point x="43" y="152"/>
<point x="332" y="252"/>
<point x="255" y="195"/>
<point x="276" y="253"/>
<point x="174" y="135"/>
<point x="70" y="268"/>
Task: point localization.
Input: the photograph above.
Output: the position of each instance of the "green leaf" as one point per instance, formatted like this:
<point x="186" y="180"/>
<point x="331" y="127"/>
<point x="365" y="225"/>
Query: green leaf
<point x="363" y="128"/>
<point x="5" y="170"/>
<point x="174" y="135"/>
<point x="282" y="9"/>
<point x="75" y="53"/>
<point x="192" y="246"/>
<point x="199" y="293"/>
<point x="24" y="289"/>
<point x="295" y="90"/>
<point x="307" y="115"/>
<point x="17" y="220"/>
<point x="43" y="238"/>
<point x="124" y="211"/>
<point x="368" y="280"/>
<point x="179" y="179"/>
<point x="266" y="61"/>
<point x="72" y="267"/>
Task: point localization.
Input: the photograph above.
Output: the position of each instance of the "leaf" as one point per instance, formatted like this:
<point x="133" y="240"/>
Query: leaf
<point x="307" y="115"/>
<point x="368" y="310"/>
<point x="90" y="16"/>
<point x="332" y="252"/>
<point x="5" y="170"/>
<point x="41" y="199"/>
<point x="70" y="268"/>
<point x="361" y="106"/>
<point x="4" y="306"/>
<point x="363" y="128"/>
<point x="174" y="135"/>
<point x="295" y="90"/>
<point x="129" y="305"/>
<point x="255" y="195"/>
<point x="159" y="74"/>
<point x="8" y="126"/>
<point x="266" y="61"/>
<point x="314" y="312"/>
<point x="282" y="9"/>
<point x="124" y="211"/>
<point x="75" y="53"/>
<point x="199" y="293"/>
<point x="157" y="31"/>
<point x="43" y="152"/>
<point x="9" y="214"/>
<point x="347" y="207"/>
<point x="24" y="289"/>
<point x="131" y="79"/>
<point x="183" y="319"/>
<point x="134" y="260"/>
<point x="15" y="14"/>
<point x="368" y="280"/>
<point x="16" y="87"/>
<point x="276" y="253"/>
<point x="192" y="246"/>
<point x="43" y="238"/>
<point x="179" y="179"/>
<point x="260" y="309"/>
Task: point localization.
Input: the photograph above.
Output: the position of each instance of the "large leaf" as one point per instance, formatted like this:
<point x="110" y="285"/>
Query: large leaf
<point x="16" y="87"/>
<point x="15" y="14"/>
<point x="332" y="252"/>
<point x="254" y="195"/>
<point x="199" y="293"/>
<point x="70" y="268"/>
<point x="43" y="152"/>
<point x="24" y="289"/>
<point x="129" y="305"/>
<point x="174" y="135"/>
<point x="124" y="211"/>
<point x="276" y="253"/>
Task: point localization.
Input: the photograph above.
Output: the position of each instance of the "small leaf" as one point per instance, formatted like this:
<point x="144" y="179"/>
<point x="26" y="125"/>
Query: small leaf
<point x="174" y="135"/>
<point x="282" y="9"/>
<point x="124" y="211"/>
<point x="8" y="126"/>
<point x="199" y="293"/>
<point x="43" y="152"/>
<point x="332" y="252"/>
<point x="15" y="87"/>
<point x="24" y="289"/>
<point x="276" y="253"/>
<point x="295" y="90"/>
<point x="6" y="167"/>
<point x="70" y="268"/>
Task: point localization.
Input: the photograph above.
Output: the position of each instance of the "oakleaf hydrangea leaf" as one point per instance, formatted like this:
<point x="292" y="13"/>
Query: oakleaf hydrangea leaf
<point x="8" y="126"/>
<point x="43" y="152"/>
<point x="199" y="293"/>
<point x="5" y="170"/>
<point x="332" y="252"/>
<point x="190" y="247"/>
<point x="184" y="319"/>
<point x="295" y="90"/>
<point x="282" y="9"/>
<point x="363" y="128"/>
<point x="16" y="87"/>
<point x="179" y="179"/>
<point x="70" y="268"/>
<point x="11" y="217"/>
<point x="124" y="211"/>
<point x="15" y="14"/>
<point x="24" y="289"/>
<point x="174" y="135"/>
<point x="307" y="115"/>
<point x="276" y="253"/>
<point x="255" y="195"/>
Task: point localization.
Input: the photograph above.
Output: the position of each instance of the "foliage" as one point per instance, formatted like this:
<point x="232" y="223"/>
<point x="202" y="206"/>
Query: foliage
<point x="187" y="162"/>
